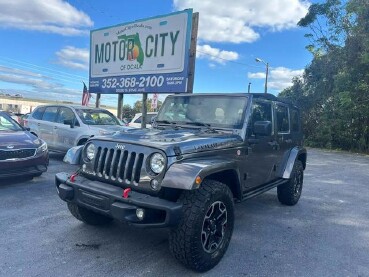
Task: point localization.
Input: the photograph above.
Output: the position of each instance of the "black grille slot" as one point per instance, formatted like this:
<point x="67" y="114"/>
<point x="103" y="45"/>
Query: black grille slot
<point x="16" y="154"/>
<point x="137" y="167"/>
<point x="118" y="165"/>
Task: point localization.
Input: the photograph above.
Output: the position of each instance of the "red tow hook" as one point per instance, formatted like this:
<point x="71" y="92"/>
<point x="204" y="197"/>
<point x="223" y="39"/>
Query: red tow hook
<point x="73" y="176"/>
<point x="126" y="192"/>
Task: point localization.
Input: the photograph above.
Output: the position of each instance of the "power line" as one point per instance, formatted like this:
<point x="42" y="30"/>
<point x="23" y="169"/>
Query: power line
<point x="42" y="67"/>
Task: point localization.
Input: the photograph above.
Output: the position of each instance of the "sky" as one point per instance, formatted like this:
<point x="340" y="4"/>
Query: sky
<point x="44" y="49"/>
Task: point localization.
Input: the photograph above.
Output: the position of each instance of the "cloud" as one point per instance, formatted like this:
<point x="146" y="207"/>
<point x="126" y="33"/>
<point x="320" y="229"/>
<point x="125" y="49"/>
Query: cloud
<point x="52" y="16"/>
<point x="75" y="58"/>
<point x="17" y="71"/>
<point x="215" y="54"/>
<point x="239" y="21"/>
<point x="23" y="80"/>
<point x="279" y="78"/>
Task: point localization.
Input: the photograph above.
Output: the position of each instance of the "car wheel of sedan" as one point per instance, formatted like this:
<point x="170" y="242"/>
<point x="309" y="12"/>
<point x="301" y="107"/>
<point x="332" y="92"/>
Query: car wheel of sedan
<point x="205" y="230"/>
<point x="88" y="216"/>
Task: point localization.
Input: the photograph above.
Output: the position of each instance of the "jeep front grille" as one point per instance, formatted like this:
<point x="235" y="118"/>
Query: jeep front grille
<point x="118" y="165"/>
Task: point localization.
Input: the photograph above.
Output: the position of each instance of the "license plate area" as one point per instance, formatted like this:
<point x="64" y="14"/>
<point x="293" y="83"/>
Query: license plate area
<point x="95" y="200"/>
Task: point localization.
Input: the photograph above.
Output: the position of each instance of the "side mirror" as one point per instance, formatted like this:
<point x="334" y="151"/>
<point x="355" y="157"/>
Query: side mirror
<point x="69" y="122"/>
<point x="263" y="128"/>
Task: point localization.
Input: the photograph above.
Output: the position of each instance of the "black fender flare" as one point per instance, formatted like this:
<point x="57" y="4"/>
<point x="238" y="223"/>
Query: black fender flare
<point x="296" y="153"/>
<point x="74" y="155"/>
<point x="182" y="175"/>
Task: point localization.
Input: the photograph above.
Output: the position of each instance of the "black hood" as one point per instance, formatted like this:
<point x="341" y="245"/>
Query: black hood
<point x="183" y="139"/>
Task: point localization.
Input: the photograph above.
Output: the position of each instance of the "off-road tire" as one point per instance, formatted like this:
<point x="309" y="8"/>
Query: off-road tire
<point x="88" y="216"/>
<point x="290" y="192"/>
<point x="186" y="241"/>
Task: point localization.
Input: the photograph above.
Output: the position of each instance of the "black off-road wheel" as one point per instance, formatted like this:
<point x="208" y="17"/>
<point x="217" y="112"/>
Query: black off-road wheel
<point x="88" y="216"/>
<point x="205" y="230"/>
<point x="290" y="192"/>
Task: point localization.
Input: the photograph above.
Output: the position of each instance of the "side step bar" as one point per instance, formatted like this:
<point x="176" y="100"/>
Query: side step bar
<point x="261" y="189"/>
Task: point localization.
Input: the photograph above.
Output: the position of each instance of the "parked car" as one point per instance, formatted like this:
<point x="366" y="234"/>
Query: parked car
<point x="21" y="153"/>
<point x="204" y="152"/>
<point x="65" y="126"/>
<point x="137" y="119"/>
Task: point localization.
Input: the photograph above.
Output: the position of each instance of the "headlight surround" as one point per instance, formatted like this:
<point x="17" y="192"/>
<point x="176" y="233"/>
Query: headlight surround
<point x="157" y="163"/>
<point x="90" y="151"/>
<point x="42" y="148"/>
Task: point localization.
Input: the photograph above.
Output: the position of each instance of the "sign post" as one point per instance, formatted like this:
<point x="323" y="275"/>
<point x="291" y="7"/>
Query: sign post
<point x="192" y="59"/>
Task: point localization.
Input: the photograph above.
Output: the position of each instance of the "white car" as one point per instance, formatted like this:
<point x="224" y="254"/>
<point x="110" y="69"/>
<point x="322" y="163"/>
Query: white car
<point x="65" y="126"/>
<point x="136" y="120"/>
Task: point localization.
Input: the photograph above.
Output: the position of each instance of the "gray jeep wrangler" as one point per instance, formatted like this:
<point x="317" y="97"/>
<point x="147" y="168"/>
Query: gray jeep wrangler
<point x="204" y="152"/>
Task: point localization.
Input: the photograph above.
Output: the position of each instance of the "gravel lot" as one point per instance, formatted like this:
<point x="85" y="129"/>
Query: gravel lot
<point x="325" y="234"/>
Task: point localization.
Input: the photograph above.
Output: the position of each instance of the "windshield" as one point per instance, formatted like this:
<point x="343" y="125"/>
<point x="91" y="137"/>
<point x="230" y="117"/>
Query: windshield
<point x="207" y="110"/>
<point x="8" y="124"/>
<point x="97" y="117"/>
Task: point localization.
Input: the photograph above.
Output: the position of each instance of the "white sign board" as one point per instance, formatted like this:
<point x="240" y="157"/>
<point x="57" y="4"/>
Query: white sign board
<point x="143" y="56"/>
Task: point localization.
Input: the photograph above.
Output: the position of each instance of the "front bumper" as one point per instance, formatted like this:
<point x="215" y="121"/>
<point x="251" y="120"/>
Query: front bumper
<point x="24" y="167"/>
<point x="107" y="199"/>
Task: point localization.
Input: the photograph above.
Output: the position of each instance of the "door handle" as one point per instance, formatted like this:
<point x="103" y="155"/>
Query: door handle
<point x="55" y="127"/>
<point x="38" y="124"/>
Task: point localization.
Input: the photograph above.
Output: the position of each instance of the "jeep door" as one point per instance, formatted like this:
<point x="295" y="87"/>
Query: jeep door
<point x="262" y="145"/>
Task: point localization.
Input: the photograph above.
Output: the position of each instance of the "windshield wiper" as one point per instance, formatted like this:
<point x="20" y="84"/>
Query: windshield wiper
<point x="207" y="125"/>
<point x="166" y="122"/>
<point x="197" y="123"/>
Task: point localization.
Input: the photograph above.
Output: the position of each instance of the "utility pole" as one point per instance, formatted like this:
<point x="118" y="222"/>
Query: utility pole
<point x="266" y="73"/>
<point x="266" y="78"/>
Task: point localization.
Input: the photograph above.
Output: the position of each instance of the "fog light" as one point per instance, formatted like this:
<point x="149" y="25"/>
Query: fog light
<point x="154" y="184"/>
<point x="140" y="213"/>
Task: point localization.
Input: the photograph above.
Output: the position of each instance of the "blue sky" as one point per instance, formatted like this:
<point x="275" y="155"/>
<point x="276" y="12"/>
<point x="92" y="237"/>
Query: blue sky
<point x="45" y="44"/>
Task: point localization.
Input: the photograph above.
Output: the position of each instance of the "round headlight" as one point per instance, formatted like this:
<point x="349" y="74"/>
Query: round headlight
<point x="157" y="163"/>
<point x="90" y="151"/>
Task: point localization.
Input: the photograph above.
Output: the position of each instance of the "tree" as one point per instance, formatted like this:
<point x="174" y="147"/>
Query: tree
<point x="333" y="92"/>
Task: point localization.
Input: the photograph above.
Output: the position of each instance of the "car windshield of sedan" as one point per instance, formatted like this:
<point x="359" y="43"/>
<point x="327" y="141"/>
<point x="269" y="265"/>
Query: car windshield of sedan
<point x="97" y="117"/>
<point x="204" y="110"/>
<point x="7" y="124"/>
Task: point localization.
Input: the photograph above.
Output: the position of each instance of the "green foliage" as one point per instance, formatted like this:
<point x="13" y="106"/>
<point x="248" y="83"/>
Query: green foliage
<point x="129" y="112"/>
<point x="333" y="93"/>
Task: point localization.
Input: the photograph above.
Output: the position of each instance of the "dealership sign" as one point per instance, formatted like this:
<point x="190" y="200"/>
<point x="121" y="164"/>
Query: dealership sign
<point x="147" y="56"/>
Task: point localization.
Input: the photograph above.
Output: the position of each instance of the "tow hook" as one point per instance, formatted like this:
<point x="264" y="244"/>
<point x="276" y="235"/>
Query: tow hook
<point x="126" y="192"/>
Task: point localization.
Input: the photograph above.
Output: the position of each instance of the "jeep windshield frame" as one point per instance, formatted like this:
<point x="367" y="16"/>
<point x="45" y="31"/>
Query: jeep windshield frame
<point x="204" y="110"/>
